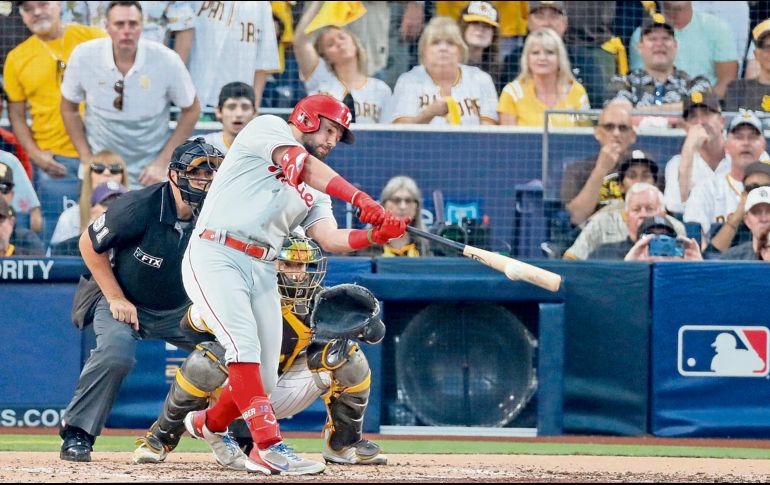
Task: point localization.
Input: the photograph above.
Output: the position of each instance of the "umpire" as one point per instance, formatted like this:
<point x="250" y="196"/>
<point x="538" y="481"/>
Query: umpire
<point x="134" y="253"/>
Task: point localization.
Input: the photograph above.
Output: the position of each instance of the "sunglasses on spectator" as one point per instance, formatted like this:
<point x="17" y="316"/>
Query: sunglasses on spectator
<point x="6" y="188"/>
<point x="100" y="168"/>
<point x="118" y="102"/>
<point x="399" y="201"/>
<point x="750" y="187"/>
<point x="612" y="127"/>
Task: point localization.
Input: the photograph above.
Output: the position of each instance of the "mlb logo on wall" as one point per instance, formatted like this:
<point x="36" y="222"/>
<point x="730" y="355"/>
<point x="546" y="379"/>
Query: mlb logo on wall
<point x="723" y="351"/>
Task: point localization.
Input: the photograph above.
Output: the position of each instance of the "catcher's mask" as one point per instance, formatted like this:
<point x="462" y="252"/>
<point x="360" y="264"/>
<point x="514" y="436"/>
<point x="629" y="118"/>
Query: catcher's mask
<point x="301" y="269"/>
<point x="195" y="163"/>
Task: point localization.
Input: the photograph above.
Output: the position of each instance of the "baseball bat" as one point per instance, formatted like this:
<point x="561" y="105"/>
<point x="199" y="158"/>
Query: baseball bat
<point x="512" y="268"/>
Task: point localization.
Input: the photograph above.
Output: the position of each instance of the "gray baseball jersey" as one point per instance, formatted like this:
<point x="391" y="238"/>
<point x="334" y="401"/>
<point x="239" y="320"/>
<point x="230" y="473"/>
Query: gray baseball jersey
<point x="251" y="198"/>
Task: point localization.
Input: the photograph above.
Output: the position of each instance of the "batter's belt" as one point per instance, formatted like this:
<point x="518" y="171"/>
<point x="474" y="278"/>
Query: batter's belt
<point x="250" y="248"/>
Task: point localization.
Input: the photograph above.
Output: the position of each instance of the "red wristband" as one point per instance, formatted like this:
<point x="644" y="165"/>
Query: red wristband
<point x="341" y="189"/>
<point x="359" y="239"/>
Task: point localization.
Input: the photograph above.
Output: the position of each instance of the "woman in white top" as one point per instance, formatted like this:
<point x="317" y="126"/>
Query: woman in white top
<point x="105" y="166"/>
<point x="336" y="65"/>
<point x="443" y="89"/>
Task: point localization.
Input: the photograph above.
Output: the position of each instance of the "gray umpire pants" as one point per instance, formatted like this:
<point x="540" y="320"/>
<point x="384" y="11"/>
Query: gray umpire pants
<point x="113" y="359"/>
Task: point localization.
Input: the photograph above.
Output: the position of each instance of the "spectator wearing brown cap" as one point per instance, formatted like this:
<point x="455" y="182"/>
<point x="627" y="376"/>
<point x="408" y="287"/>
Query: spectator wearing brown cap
<point x="736" y="229"/>
<point x="703" y="152"/>
<point x="754" y="93"/>
<point x="756" y="216"/>
<point x="15" y="241"/>
<point x="643" y="200"/>
<point x="714" y="200"/>
<point x="659" y="85"/>
<point x="706" y="45"/>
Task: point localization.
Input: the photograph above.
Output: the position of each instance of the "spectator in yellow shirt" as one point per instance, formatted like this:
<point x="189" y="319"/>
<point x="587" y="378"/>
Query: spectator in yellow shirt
<point x="545" y="82"/>
<point x="33" y="73"/>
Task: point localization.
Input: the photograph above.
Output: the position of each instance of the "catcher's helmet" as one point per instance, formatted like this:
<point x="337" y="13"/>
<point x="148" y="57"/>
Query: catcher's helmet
<point x="190" y="156"/>
<point x="307" y="113"/>
<point x="297" y="287"/>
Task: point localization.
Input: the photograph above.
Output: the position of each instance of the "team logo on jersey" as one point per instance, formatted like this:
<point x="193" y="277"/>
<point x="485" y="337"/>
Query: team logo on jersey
<point x="147" y="259"/>
<point x="301" y="188"/>
<point x="723" y="351"/>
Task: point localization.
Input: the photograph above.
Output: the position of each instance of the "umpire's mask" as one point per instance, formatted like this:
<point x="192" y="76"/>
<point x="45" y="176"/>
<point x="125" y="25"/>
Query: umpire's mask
<point x="195" y="163"/>
<point x="301" y="269"/>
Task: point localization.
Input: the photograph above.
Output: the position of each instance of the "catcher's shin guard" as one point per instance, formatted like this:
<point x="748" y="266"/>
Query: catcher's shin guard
<point x="200" y="375"/>
<point x="348" y="395"/>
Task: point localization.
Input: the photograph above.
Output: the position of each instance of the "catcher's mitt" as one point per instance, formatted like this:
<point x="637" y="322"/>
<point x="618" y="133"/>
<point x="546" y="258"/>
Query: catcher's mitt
<point x="347" y="311"/>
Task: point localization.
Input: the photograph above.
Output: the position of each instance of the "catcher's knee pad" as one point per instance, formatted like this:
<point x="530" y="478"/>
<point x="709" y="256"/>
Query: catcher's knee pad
<point x="348" y="394"/>
<point x="201" y="374"/>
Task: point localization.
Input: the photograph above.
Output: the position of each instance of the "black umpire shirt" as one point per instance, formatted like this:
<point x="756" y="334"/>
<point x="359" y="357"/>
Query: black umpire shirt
<point x="148" y="244"/>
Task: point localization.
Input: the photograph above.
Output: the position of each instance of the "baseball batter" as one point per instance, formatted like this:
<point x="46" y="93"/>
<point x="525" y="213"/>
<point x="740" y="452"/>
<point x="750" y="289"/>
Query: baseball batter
<point x="310" y="365"/>
<point x="272" y="181"/>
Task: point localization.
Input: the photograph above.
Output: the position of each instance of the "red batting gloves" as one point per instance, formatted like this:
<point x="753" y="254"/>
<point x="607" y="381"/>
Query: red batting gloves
<point x="370" y="212"/>
<point x="391" y="228"/>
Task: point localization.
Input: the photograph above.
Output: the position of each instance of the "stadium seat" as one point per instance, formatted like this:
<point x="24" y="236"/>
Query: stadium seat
<point x="56" y="196"/>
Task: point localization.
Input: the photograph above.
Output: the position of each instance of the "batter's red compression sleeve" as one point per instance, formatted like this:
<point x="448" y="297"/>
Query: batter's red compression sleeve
<point x="292" y="163"/>
<point x="360" y="239"/>
<point x="370" y="211"/>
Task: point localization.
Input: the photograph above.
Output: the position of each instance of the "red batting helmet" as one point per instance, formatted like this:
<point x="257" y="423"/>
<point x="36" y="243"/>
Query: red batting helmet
<point x="307" y="113"/>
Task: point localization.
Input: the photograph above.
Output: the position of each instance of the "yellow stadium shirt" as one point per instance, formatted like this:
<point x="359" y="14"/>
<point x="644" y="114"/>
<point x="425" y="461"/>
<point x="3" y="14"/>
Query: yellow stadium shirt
<point x="31" y="74"/>
<point x="519" y="99"/>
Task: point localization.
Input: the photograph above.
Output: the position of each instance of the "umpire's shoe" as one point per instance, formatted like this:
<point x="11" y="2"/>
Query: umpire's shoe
<point x="76" y="445"/>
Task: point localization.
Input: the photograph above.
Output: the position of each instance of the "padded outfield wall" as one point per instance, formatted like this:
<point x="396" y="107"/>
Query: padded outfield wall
<point x="625" y="326"/>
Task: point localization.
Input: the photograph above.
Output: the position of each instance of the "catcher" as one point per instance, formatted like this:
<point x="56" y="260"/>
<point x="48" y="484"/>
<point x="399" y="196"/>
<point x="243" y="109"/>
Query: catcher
<point x="318" y="358"/>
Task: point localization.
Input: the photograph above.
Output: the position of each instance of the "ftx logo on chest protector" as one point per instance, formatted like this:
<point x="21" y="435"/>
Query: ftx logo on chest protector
<point x="147" y="259"/>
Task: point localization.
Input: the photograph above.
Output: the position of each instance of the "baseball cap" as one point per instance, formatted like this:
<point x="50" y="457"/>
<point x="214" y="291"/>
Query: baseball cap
<point x="756" y="167"/>
<point x="481" y="12"/>
<point x="760" y="195"/>
<point x="656" y="21"/>
<point x="6" y="174"/>
<point x="656" y="222"/>
<point x="558" y="6"/>
<point x="638" y="157"/>
<point x="745" y="117"/>
<point x="5" y="209"/>
<point x="700" y="99"/>
<point x="760" y="30"/>
<point x="105" y="190"/>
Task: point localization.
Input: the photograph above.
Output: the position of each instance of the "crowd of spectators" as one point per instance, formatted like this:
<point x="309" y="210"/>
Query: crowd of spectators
<point x="90" y="88"/>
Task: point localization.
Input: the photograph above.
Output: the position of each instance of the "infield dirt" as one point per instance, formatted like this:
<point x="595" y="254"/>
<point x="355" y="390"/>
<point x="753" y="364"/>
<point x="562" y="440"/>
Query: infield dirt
<point x="200" y="467"/>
